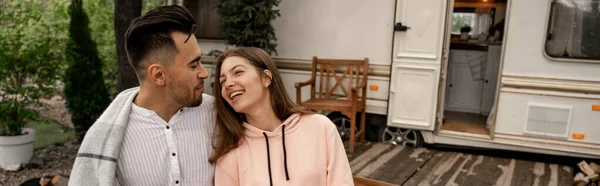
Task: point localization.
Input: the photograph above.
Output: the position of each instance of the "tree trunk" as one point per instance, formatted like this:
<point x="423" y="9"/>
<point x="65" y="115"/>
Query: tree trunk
<point x="125" y="12"/>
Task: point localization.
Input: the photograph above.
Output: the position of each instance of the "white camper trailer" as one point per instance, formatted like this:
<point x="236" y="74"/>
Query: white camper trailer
<point x="526" y="77"/>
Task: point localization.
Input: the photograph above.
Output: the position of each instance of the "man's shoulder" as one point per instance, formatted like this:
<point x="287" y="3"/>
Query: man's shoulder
<point x="208" y="101"/>
<point x="207" y="107"/>
<point x="207" y="98"/>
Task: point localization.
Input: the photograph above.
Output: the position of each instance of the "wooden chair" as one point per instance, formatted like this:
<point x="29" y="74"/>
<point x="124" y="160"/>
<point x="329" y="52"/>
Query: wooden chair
<point x="346" y="100"/>
<point x="360" y="181"/>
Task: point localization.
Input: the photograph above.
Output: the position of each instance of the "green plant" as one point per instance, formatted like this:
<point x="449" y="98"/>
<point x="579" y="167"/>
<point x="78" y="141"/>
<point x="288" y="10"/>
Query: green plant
<point x="465" y="28"/>
<point x="86" y="93"/>
<point x="248" y="23"/>
<point x="30" y="59"/>
<point x="101" y="22"/>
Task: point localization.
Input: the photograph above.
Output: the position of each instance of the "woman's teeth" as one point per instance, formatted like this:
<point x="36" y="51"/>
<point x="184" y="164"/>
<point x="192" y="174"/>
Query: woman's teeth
<point x="236" y="93"/>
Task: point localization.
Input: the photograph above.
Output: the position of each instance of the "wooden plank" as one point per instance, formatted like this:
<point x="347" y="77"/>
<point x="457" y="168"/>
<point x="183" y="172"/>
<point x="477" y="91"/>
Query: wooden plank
<point x="541" y="174"/>
<point x="460" y="174"/>
<point x="360" y="181"/>
<point x="565" y="175"/>
<point x="378" y="162"/>
<point x="370" y="155"/>
<point x="403" y="166"/>
<point x="384" y="158"/>
<point x="430" y="170"/>
<point x="484" y="170"/>
<point x="523" y="173"/>
<point x="359" y="149"/>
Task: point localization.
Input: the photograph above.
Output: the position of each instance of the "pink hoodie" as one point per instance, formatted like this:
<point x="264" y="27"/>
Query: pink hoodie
<point x="309" y="153"/>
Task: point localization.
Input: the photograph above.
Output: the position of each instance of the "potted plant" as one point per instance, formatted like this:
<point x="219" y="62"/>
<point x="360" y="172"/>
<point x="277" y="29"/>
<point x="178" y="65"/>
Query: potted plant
<point x="16" y="141"/>
<point x="30" y="65"/>
<point x="464" y="32"/>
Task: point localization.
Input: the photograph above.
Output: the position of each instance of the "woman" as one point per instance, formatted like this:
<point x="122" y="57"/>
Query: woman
<point x="263" y="138"/>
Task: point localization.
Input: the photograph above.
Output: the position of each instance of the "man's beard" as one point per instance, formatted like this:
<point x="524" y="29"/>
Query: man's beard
<point x="182" y="96"/>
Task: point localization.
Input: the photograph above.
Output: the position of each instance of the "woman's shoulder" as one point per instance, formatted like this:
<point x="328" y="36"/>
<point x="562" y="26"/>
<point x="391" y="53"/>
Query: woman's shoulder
<point x="229" y="159"/>
<point x="317" y="119"/>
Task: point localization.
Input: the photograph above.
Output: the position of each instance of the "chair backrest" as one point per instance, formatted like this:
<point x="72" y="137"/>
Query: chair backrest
<point x="339" y="74"/>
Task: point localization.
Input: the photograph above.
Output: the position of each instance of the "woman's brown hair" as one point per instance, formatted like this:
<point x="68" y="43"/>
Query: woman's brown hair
<point x="229" y="130"/>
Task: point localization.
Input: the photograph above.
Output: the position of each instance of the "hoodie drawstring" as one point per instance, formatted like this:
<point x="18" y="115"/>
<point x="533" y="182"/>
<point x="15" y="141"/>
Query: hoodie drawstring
<point x="268" y="158"/>
<point x="287" y="177"/>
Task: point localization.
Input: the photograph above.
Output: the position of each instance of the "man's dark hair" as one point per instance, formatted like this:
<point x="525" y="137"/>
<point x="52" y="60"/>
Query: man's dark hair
<point x="148" y="36"/>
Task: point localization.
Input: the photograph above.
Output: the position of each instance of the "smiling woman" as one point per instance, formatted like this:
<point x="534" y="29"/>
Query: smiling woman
<point x="256" y="121"/>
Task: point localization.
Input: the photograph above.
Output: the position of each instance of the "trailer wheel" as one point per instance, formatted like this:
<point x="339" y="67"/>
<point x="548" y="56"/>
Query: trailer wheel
<point x="342" y="123"/>
<point x="402" y="136"/>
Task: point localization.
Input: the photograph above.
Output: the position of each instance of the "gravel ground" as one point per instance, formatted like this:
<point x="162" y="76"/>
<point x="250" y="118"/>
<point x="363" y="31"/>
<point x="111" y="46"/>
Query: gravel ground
<point x="56" y="160"/>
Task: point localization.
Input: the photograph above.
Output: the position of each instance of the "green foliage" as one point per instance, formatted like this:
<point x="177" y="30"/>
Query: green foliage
<point x="13" y="117"/>
<point x="248" y="23"/>
<point x="101" y="16"/>
<point x="148" y="5"/>
<point x="86" y="94"/>
<point x="31" y="58"/>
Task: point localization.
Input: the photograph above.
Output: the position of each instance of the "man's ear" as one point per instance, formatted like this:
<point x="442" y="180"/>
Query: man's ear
<point x="156" y="73"/>
<point x="267" y="78"/>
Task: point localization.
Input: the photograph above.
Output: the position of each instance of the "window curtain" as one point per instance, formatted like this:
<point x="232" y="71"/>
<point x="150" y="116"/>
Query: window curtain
<point x="483" y="21"/>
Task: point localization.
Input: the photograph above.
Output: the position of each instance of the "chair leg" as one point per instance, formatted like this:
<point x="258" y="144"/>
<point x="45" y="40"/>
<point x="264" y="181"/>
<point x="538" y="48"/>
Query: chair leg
<point x="352" y="131"/>
<point x="362" y="125"/>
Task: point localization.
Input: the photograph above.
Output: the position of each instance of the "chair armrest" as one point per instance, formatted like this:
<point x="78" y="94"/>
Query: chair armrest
<point x="301" y="84"/>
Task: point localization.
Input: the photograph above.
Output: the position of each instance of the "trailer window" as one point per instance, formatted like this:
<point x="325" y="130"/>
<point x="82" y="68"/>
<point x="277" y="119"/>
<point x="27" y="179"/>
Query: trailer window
<point x="463" y="17"/>
<point x="574" y="30"/>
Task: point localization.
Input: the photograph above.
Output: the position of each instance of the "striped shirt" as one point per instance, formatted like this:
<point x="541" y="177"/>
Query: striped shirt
<point x="155" y="152"/>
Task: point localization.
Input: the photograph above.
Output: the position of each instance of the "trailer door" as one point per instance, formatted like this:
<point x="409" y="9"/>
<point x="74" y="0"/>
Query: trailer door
<point x="417" y="56"/>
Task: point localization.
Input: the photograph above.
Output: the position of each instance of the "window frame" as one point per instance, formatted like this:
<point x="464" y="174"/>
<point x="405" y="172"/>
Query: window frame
<point x="547" y="24"/>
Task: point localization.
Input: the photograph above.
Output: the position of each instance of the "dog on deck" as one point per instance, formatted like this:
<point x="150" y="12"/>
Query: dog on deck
<point x="56" y="180"/>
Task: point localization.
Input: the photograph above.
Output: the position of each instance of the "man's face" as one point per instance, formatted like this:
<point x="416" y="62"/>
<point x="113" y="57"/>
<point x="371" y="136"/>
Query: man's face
<point x="185" y="74"/>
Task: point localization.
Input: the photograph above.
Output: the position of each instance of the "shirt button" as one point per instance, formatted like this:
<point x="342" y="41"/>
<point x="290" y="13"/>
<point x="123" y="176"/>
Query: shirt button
<point x="173" y="154"/>
<point x="168" y="127"/>
<point x="177" y="182"/>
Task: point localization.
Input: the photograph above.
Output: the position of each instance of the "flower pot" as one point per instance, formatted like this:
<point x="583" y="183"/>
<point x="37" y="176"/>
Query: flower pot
<point x="464" y="35"/>
<point x="16" y="150"/>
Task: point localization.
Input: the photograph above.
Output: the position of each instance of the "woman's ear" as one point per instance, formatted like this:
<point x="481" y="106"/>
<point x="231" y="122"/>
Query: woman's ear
<point x="267" y="78"/>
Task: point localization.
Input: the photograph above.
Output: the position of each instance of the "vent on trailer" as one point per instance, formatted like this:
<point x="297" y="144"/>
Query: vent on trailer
<point x="548" y="120"/>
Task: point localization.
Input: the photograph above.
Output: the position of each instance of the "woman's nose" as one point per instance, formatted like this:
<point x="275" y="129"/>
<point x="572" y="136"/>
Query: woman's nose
<point x="228" y="83"/>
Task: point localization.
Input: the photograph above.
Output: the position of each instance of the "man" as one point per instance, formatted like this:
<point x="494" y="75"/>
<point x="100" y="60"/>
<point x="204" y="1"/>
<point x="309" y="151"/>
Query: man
<point x="158" y="133"/>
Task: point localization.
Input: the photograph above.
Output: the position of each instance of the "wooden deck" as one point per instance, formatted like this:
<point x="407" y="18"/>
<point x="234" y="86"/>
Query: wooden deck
<point x="405" y="165"/>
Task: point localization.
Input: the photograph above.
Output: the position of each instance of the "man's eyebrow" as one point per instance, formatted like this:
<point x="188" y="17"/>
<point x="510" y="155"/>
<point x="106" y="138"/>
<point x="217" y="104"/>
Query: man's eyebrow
<point x="195" y="59"/>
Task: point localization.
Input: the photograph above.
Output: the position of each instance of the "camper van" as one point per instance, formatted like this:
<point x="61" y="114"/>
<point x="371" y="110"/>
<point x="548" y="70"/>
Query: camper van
<point x="521" y="75"/>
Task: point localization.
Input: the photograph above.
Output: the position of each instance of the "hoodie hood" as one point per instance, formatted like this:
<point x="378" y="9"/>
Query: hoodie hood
<point x="291" y="124"/>
<point x="288" y="126"/>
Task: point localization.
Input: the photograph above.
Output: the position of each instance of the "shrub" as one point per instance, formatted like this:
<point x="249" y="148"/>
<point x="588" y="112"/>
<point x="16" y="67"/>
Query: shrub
<point x="30" y="59"/>
<point x="86" y="93"/>
<point x="248" y="23"/>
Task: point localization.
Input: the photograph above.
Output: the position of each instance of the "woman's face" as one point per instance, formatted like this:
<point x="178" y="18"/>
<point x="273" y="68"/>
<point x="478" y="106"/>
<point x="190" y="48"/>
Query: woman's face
<point x="241" y="84"/>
